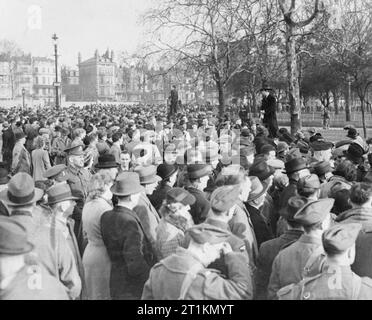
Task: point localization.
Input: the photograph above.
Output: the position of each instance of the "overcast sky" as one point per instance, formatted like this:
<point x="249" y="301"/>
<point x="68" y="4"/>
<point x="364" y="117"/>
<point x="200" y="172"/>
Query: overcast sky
<point x="81" y="25"/>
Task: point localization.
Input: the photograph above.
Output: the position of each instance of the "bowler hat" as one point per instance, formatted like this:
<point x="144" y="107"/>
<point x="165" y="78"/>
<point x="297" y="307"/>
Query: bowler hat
<point x="261" y="170"/>
<point x="4" y="176"/>
<point x="60" y="192"/>
<point x="55" y="171"/>
<point x="206" y="233"/>
<point x="165" y="170"/>
<point x="13" y="238"/>
<point x="257" y="189"/>
<point x="127" y="183"/>
<point x="180" y="195"/>
<point x="225" y="197"/>
<point x="294" y="165"/>
<point x="198" y="170"/>
<point x="106" y="161"/>
<point x="19" y="135"/>
<point x="314" y="212"/>
<point x="340" y="237"/>
<point x="147" y="174"/>
<point x="21" y="191"/>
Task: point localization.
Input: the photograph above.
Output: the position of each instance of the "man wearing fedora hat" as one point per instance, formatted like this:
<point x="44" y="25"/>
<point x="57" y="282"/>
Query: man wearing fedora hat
<point x="123" y="234"/>
<point x="254" y="206"/>
<point x="62" y="203"/>
<point x="51" y="249"/>
<point x="305" y="257"/>
<point x="270" y="249"/>
<point x="21" y="159"/>
<point x="107" y="162"/>
<point x="295" y="168"/>
<point x="168" y="174"/>
<point x="198" y="176"/>
<point x="78" y="178"/>
<point x="18" y="280"/>
<point x="145" y="210"/>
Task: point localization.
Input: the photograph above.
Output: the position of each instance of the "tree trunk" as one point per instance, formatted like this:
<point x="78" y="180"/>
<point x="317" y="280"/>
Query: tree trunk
<point x="335" y="101"/>
<point x="221" y="98"/>
<point x="347" y="106"/>
<point x="363" y="117"/>
<point x="292" y="78"/>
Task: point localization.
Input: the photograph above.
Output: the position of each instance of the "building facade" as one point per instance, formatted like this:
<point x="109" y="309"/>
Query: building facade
<point x="43" y="80"/>
<point x="70" y="84"/>
<point x="5" y="81"/>
<point x="97" y="77"/>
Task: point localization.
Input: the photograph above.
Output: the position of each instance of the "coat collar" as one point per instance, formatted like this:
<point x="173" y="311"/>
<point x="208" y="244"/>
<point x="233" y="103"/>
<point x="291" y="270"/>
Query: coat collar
<point x="305" y="238"/>
<point x="356" y="214"/>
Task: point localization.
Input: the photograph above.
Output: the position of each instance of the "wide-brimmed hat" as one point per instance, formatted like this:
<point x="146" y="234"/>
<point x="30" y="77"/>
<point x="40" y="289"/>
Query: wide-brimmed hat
<point x="21" y="191"/>
<point x="147" y="174"/>
<point x="75" y="148"/>
<point x="257" y="189"/>
<point x="126" y="184"/>
<point x="198" y="170"/>
<point x="106" y="161"/>
<point x="55" y="171"/>
<point x="261" y="170"/>
<point x="4" y="176"/>
<point x="60" y="192"/>
<point x="321" y="145"/>
<point x="13" y="238"/>
<point x="294" y="204"/>
<point x="165" y="170"/>
<point x="294" y="165"/>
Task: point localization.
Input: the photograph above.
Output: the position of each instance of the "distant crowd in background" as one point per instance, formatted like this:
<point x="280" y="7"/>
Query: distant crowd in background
<point x="176" y="202"/>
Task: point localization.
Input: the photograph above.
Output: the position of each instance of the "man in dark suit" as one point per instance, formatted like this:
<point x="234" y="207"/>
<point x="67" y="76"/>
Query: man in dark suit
<point x="129" y="249"/>
<point x="8" y="143"/>
<point x="173" y="101"/>
<point x="268" y="109"/>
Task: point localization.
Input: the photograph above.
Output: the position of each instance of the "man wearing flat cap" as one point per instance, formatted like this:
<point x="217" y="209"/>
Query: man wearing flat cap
<point x="184" y="275"/>
<point x="337" y="281"/>
<point x="305" y="257"/>
<point x="128" y="247"/>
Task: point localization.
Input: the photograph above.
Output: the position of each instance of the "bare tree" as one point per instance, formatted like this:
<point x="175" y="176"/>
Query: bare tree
<point x="292" y="30"/>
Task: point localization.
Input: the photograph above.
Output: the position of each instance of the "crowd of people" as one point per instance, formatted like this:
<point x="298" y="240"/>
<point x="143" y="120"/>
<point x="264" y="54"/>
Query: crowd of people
<point x="126" y="202"/>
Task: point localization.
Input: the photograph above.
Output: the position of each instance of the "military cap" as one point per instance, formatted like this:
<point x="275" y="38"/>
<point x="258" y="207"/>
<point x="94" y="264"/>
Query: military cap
<point x="54" y="171"/>
<point x="309" y="182"/>
<point x="340" y="237"/>
<point x="223" y="198"/>
<point x="180" y="195"/>
<point x="204" y="233"/>
<point x="314" y="212"/>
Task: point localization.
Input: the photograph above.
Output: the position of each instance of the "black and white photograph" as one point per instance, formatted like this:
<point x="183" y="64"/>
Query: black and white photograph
<point x="166" y="150"/>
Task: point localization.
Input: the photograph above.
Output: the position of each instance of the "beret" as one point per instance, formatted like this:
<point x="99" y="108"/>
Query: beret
<point x="314" y="212"/>
<point x="204" y="233"/>
<point x="340" y="237"/>
<point x="223" y="198"/>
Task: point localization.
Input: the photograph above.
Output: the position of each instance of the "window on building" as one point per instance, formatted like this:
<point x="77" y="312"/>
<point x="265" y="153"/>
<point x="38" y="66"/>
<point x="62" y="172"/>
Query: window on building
<point x="44" y="80"/>
<point x="36" y="70"/>
<point x="43" y="70"/>
<point x="36" y="80"/>
<point x="44" y="91"/>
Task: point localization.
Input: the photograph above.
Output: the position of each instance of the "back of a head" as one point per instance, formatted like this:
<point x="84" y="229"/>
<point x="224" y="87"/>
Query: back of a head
<point x="347" y="170"/>
<point x="360" y="193"/>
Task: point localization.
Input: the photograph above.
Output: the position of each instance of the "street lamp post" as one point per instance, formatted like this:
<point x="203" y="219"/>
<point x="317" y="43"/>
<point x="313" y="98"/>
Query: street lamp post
<point x="23" y="98"/>
<point x="55" y="38"/>
<point x="349" y="79"/>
